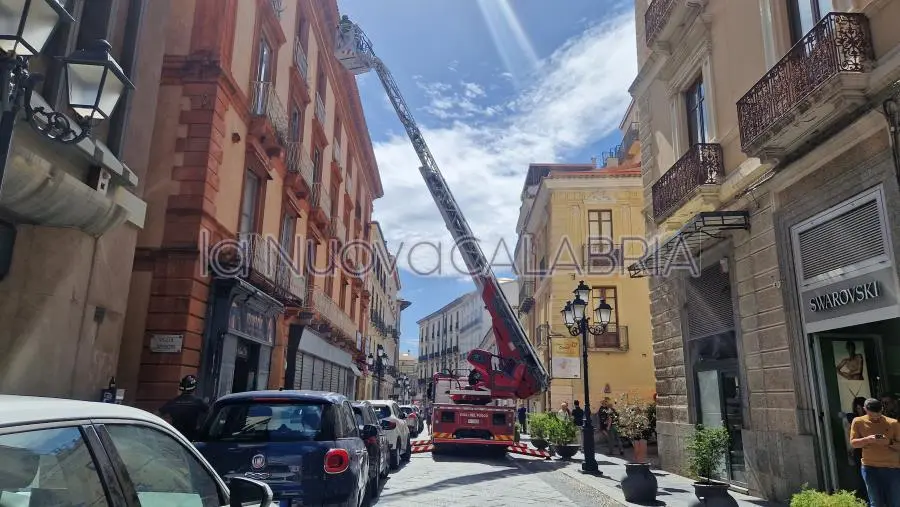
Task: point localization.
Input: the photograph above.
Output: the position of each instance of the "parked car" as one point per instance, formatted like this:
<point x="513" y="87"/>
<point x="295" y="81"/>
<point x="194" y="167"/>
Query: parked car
<point x="415" y="423"/>
<point x="86" y="453"/>
<point x="305" y="445"/>
<point x="393" y="422"/>
<point x="379" y="449"/>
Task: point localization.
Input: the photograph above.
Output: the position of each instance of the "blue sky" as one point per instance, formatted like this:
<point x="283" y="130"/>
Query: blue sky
<point x="494" y="85"/>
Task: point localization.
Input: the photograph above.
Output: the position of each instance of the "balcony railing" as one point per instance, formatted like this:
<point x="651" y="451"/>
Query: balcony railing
<point x="336" y="152"/>
<point x="701" y="165"/>
<point x="656" y="17"/>
<point x="631" y="135"/>
<point x="615" y="337"/>
<point x="268" y="267"/>
<point x="320" y="198"/>
<point x="840" y="43"/>
<point x="267" y="104"/>
<point x="320" y="109"/>
<point x="333" y="313"/>
<point x="526" y="296"/>
<point x="300" y="60"/>
<point x="338" y="230"/>
<point x="297" y="161"/>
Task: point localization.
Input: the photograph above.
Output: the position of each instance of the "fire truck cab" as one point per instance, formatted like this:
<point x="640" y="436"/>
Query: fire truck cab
<point x="462" y="414"/>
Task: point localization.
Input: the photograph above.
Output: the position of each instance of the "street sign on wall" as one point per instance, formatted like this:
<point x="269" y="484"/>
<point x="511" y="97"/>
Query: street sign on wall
<point x="564" y="360"/>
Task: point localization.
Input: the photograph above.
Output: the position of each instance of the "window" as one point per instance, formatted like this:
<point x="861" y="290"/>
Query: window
<point x="49" y="467"/>
<point x="697" y="120"/>
<point x="296" y="124"/>
<point x="608" y="294"/>
<point x="317" y="165"/>
<point x="288" y="233"/>
<point x="263" y="76"/>
<point x="351" y="429"/>
<point x="163" y="471"/>
<point x="288" y="421"/>
<point x="249" y="204"/>
<point x="804" y="14"/>
<point x="600" y="230"/>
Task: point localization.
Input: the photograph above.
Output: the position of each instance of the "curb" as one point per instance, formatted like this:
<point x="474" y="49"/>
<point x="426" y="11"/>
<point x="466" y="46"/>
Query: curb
<point x="610" y="492"/>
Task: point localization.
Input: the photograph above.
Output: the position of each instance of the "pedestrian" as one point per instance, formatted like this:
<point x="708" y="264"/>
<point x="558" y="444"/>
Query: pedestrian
<point x="879" y="438"/>
<point x="523" y="417"/>
<point x="854" y="456"/>
<point x="607" y="416"/>
<point x="564" y="414"/>
<point x="578" y="419"/>
<point x="186" y="411"/>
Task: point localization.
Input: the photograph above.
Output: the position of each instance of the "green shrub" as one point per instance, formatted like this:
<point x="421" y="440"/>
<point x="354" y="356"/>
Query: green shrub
<point x="707" y="448"/>
<point x="812" y="498"/>
<point x="560" y="432"/>
<point x="538" y="423"/>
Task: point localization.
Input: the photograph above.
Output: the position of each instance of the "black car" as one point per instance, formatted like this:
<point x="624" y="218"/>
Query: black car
<point x="305" y="445"/>
<point x="379" y="449"/>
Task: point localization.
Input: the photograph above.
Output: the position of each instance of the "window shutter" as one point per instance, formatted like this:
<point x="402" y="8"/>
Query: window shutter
<point x="709" y="306"/>
<point x="857" y="233"/>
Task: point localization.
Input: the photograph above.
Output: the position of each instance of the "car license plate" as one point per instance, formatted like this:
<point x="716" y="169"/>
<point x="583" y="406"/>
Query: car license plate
<point x="474" y="421"/>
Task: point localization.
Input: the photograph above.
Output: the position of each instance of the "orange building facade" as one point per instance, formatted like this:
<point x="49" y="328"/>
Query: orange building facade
<point x="262" y="172"/>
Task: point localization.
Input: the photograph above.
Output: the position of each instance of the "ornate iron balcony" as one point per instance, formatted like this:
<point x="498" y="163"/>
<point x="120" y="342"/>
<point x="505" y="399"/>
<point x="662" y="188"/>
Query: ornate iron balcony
<point x="840" y="43"/>
<point x="297" y="161"/>
<point x="266" y="103"/>
<point x="526" y="296"/>
<point x="300" y="60"/>
<point x="702" y="165"/>
<point x="656" y="17"/>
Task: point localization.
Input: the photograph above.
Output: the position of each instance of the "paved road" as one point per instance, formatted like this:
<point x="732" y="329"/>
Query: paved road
<point x="479" y="481"/>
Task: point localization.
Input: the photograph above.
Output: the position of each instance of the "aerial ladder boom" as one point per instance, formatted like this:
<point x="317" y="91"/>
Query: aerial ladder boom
<point x="520" y="374"/>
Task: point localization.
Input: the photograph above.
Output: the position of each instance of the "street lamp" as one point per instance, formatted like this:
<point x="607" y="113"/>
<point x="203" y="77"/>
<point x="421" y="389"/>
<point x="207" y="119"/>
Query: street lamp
<point x="578" y="324"/>
<point x="95" y="81"/>
<point x="377" y="363"/>
<point x="403" y="384"/>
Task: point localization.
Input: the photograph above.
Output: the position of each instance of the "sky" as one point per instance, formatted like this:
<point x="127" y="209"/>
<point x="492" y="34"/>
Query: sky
<point x="495" y="85"/>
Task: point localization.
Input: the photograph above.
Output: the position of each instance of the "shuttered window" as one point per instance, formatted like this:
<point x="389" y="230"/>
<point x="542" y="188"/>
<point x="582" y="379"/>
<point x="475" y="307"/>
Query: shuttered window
<point x="709" y="305"/>
<point x="845" y="240"/>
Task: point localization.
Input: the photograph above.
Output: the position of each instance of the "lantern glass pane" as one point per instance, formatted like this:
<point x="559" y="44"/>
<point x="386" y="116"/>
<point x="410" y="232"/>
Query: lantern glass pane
<point x="10" y="16"/>
<point x="39" y="25"/>
<point x="112" y="92"/>
<point x="84" y="87"/>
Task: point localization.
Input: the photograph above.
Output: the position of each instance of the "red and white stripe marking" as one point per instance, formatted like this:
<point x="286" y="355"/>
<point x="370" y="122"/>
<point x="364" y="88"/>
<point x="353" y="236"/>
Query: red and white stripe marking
<point x="525" y="450"/>
<point x="422" y="448"/>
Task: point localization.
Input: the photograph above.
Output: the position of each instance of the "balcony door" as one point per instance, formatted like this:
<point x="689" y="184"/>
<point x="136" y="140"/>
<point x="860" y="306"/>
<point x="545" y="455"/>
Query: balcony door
<point x="804" y="14"/>
<point x="697" y="113"/>
<point x="263" y="75"/>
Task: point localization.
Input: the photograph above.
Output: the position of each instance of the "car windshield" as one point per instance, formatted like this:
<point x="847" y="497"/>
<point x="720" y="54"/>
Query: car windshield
<point x="358" y="413"/>
<point x="271" y="422"/>
<point x="382" y="411"/>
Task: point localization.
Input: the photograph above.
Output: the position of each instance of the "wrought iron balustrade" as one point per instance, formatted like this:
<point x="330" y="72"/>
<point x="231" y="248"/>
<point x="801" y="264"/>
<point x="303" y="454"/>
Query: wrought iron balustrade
<point x="840" y="43"/>
<point x="702" y="165"/>
<point x="300" y="60"/>
<point x="267" y="104"/>
<point x="297" y="160"/>
<point x="656" y="17"/>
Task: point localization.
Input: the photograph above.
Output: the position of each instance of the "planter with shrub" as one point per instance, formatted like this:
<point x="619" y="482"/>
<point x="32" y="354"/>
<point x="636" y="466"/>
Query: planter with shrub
<point x="639" y="484"/>
<point x="813" y="498"/>
<point x="707" y="449"/>
<point x="561" y="435"/>
<point x="537" y="426"/>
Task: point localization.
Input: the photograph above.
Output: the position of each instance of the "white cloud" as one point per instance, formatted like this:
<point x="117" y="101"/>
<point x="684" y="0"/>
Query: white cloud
<point x="577" y="97"/>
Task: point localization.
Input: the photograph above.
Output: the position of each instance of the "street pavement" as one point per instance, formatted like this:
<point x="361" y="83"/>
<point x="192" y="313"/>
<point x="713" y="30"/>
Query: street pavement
<point x="476" y="480"/>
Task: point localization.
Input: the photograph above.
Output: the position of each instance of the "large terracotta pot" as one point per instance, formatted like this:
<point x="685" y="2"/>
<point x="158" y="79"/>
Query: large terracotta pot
<point x="640" y="451"/>
<point x="712" y="495"/>
<point x="639" y="484"/>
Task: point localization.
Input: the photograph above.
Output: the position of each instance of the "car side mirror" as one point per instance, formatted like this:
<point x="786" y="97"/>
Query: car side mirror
<point x="246" y="492"/>
<point x="368" y="431"/>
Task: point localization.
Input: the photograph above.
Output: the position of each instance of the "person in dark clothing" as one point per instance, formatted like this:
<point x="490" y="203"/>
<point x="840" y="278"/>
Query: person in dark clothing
<point x="578" y="414"/>
<point x="522" y="418"/>
<point x="186" y="411"/>
<point x="474" y="377"/>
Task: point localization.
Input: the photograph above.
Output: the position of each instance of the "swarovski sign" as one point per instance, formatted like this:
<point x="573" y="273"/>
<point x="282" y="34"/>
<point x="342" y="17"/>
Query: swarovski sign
<point x="845" y="296"/>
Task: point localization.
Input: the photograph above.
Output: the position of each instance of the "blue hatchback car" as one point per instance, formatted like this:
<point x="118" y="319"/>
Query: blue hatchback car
<point x="306" y="445"/>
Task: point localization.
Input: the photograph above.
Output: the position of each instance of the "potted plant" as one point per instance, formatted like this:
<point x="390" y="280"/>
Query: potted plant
<point x="707" y="448"/>
<point x="561" y="434"/>
<point x="812" y="498"/>
<point x="537" y="427"/>
<point x="639" y="484"/>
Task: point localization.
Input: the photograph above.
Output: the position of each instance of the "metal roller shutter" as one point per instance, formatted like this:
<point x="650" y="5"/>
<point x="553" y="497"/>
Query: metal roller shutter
<point x="845" y="240"/>
<point x="318" y="374"/>
<point x="306" y="378"/>
<point x="709" y="306"/>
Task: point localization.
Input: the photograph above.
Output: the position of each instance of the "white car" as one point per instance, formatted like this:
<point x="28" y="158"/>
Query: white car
<point x="105" y="454"/>
<point x="393" y="422"/>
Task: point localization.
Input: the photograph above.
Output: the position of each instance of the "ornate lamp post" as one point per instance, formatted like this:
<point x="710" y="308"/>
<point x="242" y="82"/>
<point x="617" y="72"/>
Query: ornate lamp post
<point x="578" y="323"/>
<point x="377" y="363"/>
<point x="403" y="384"/>
<point x="95" y="81"/>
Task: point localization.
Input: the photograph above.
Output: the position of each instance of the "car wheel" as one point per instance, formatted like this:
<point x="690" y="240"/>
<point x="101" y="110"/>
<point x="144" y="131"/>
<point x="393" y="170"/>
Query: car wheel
<point x="395" y="457"/>
<point x="406" y="455"/>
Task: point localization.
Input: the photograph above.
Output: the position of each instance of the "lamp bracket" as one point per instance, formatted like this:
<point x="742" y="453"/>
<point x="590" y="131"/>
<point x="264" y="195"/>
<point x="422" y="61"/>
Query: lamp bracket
<point x="52" y="124"/>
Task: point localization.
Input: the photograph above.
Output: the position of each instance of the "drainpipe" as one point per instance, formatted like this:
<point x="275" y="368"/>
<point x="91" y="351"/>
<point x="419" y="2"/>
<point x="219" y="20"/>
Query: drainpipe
<point x="891" y="109"/>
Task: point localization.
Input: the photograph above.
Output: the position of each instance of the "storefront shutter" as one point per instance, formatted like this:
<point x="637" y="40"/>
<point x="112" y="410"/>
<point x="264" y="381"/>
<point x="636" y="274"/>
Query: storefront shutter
<point x="306" y="374"/>
<point x="226" y="372"/>
<point x="709" y="305"/>
<point x="845" y="240"/>
<point x="319" y="375"/>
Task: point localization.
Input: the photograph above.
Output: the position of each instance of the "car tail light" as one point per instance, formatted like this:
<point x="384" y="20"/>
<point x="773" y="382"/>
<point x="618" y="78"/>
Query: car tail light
<point x="337" y="461"/>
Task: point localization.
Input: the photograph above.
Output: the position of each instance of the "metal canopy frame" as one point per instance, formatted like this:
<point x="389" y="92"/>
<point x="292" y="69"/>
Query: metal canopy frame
<point x="701" y="228"/>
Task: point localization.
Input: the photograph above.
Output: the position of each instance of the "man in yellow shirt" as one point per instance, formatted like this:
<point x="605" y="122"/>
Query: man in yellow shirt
<point x="879" y="438"/>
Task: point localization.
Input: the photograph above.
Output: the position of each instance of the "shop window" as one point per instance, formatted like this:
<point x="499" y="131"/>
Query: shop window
<point x="249" y="204"/>
<point x="695" y="101"/>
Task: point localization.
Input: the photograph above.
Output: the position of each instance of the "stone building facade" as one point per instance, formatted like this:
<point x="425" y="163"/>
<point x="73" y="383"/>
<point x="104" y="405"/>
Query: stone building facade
<point x="771" y="184"/>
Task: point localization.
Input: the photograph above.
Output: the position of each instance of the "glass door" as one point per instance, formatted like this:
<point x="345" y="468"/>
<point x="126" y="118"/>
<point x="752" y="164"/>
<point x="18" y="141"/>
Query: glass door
<point x="720" y="404"/>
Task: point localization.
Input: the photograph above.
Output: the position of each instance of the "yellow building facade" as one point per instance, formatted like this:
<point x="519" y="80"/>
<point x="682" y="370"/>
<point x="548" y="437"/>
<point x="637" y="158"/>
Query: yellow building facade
<point x="584" y="222"/>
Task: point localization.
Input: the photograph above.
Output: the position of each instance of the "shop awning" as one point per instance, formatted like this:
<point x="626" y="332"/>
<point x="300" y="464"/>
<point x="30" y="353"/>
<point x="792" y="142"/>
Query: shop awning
<point x="701" y="230"/>
<point x="355" y="370"/>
